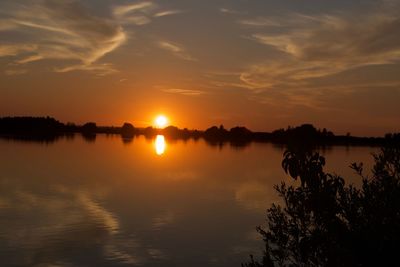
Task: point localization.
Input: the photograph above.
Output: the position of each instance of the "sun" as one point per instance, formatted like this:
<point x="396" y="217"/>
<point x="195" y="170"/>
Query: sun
<point x="161" y="121"/>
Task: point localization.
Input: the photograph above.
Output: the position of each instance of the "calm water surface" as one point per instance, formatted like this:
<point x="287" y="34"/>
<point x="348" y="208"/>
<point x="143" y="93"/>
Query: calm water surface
<point x="140" y="203"/>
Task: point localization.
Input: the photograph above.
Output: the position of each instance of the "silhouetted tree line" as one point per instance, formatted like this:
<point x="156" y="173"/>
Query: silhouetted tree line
<point x="50" y="128"/>
<point x="30" y="125"/>
<point x="324" y="222"/>
<point x="41" y="129"/>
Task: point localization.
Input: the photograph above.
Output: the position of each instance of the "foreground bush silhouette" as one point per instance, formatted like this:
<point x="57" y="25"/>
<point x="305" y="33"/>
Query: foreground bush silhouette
<point x="324" y="222"/>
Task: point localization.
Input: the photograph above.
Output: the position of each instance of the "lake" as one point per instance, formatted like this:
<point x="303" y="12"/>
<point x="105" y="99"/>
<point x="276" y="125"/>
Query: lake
<point x="143" y="202"/>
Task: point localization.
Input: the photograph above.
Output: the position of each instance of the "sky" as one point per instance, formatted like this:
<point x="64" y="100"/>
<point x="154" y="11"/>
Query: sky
<point x="262" y="64"/>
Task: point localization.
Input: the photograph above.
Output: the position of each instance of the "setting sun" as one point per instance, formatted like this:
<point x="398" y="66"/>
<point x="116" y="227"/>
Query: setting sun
<point x="161" y="121"/>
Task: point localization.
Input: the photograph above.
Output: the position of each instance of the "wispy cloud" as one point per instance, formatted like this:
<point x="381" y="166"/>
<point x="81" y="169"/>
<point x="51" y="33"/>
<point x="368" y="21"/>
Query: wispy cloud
<point x="171" y="47"/>
<point x="167" y="13"/>
<point x="260" y="21"/>
<point x="291" y="97"/>
<point x="229" y="11"/>
<point x="320" y="46"/>
<point x="141" y="13"/>
<point x="15" y="49"/>
<point x="177" y="49"/>
<point x="135" y="13"/>
<point x="123" y="10"/>
<point x="61" y="30"/>
<point x="186" y="92"/>
<point x="29" y="59"/>
<point x="98" y="69"/>
<point x="12" y="72"/>
<point x="6" y="25"/>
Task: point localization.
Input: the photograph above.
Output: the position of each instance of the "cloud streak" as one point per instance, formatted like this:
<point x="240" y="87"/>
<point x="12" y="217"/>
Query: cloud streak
<point x="123" y="10"/>
<point x="15" y="49"/>
<point x="320" y="46"/>
<point x="176" y="49"/>
<point x="12" y="72"/>
<point x="167" y="13"/>
<point x="185" y="92"/>
<point x="62" y="30"/>
<point x="140" y="13"/>
<point x="136" y="13"/>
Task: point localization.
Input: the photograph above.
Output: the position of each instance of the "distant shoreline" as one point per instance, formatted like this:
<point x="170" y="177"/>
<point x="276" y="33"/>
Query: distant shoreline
<point x="49" y="129"/>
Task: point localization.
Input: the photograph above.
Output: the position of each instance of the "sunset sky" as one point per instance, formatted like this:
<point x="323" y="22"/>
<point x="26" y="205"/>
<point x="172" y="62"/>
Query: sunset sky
<point x="262" y="64"/>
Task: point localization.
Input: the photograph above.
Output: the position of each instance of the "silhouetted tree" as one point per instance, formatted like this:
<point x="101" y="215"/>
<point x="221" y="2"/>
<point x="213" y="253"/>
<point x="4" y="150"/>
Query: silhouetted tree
<point x="172" y="131"/>
<point x="89" y="132"/>
<point x="127" y="130"/>
<point x="323" y="222"/>
<point x="215" y="132"/>
<point x="240" y="132"/>
<point x="89" y="127"/>
<point x="149" y="131"/>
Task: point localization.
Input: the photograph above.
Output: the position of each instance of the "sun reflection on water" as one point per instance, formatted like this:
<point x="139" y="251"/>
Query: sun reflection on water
<point x="160" y="144"/>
